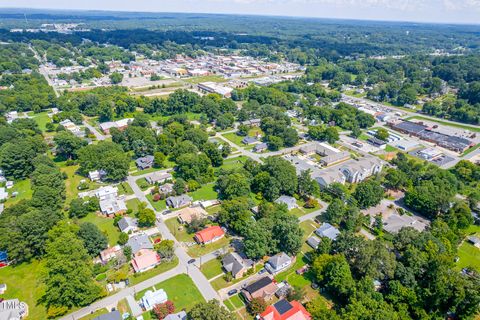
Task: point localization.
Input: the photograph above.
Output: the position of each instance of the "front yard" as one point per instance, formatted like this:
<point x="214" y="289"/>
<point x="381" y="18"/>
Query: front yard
<point x="180" y="290"/>
<point x="161" y="268"/>
<point x="212" y="268"/>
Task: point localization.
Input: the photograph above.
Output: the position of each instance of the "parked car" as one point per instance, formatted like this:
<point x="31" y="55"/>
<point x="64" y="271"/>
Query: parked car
<point x="262" y="271"/>
<point x="191" y="261"/>
<point x="232" y="292"/>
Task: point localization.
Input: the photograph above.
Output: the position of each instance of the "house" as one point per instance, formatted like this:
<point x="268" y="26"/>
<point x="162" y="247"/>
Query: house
<point x="278" y="262"/>
<point x="327" y="230"/>
<point x="252" y="122"/>
<point x="166" y="188"/>
<point x="290" y="202"/>
<point x="128" y="224"/>
<point x="209" y="235"/>
<point x="335" y="158"/>
<point x="260" y="147"/>
<point x="377" y="142"/>
<point x="186" y="215"/>
<point x="357" y="171"/>
<point x="262" y="288"/>
<point x="236" y="265"/>
<point x="120" y="125"/>
<point x="158" y="177"/>
<point x="139" y="242"/>
<point x="9" y="184"/>
<point x="114" y="315"/>
<point x="182" y="315"/>
<point x="313" y="242"/>
<point x="179" y="201"/>
<point x="144" y="162"/>
<point x="96" y="175"/>
<point x="107" y="192"/>
<point x="3" y="288"/>
<point x="474" y="240"/>
<point x="249" y="140"/>
<point x="145" y="259"/>
<point x="113" y="206"/>
<point x="110" y="253"/>
<point x="151" y="298"/>
<point x="3" y="194"/>
<point x="284" y="310"/>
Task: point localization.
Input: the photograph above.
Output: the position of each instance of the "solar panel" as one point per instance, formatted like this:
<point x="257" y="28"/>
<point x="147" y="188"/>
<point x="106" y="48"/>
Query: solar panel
<point x="282" y="306"/>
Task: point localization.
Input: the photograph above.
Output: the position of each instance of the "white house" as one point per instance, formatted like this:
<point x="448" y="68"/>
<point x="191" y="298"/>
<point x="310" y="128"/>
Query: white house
<point x="151" y="298"/>
<point x="278" y="262"/>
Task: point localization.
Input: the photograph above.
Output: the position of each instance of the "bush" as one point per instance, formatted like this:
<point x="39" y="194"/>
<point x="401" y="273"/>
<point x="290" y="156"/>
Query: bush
<point x="156" y="197"/>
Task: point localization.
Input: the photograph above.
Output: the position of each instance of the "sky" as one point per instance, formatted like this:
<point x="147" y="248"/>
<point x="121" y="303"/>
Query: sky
<point x="456" y="11"/>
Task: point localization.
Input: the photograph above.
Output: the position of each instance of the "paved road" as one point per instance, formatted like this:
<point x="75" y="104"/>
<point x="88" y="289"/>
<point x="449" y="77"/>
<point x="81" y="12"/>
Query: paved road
<point x="43" y="71"/>
<point x="200" y="280"/>
<point x="94" y="130"/>
<point x="113" y="299"/>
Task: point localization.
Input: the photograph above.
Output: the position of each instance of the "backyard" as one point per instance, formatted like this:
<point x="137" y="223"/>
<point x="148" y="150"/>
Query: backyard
<point x="468" y="254"/>
<point x="105" y="225"/>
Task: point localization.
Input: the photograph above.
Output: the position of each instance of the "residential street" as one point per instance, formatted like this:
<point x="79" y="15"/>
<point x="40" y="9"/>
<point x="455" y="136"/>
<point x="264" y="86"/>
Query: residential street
<point x="98" y="135"/>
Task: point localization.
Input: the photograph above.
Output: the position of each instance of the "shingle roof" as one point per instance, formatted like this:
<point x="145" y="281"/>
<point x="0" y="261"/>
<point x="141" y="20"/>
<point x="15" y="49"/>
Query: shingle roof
<point x="138" y="242"/>
<point x="279" y="259"/>
<point x="327" y="230"/>
<point x="259" y="284"/>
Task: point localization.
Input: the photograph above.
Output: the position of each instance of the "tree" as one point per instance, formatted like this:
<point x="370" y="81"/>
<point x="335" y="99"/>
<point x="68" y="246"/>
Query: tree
<point x="69" y="270"/>
<point x="368" y="193"/>
<point x="123" y="238"/>
<point x="158" y="159"/>
<point x="396" y="179"/>
<point x="163" y="309"/>
<point x="93" y="239"/>
<point x="166" y="249"/>
<point x="146" y="217"/>
<point x="211" y="310"/>
<point x="233" y="185"/>
<point x="257" y="306"/>
<point x="16" y="157"/>
<point x="306" y="185"/>
<point x="214" y="153"/>
<point x="180" y="186"/>
<point x="382" y="134"/>
<point x="107" y="156"/>
<point x="335" y="211"/>
<point x="127" y="252"/>
<point x="275" y="143"/>
<point x="116" y="77"/>
<point x="68" y="144"/>
<point x="194" y="167"/>
<point x="243" y="130"/>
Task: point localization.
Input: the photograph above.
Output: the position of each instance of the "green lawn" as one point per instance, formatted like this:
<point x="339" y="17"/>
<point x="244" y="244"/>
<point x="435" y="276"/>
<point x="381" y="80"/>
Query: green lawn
<point x="210" y="78"/>
<point x="105" y="225"/>
<point x="161" y="268"/>
<point x="178" y="230"/>
<point x="220" y="282"/>
<point x="149" y="170"/>
<point x="389" y="148"/>
<point x="235" y="138"/>
<point x="234" y="163"/>
<point x="469" y="254"/>
<point x="73" y="181"/>
<point x="206" y="192"/>
<point x="158" y="205"/>
<point x="42" y="119"/>
<point x="95" y="314"/>
<point x="180" y="290"/>
<point x="471" y="150"/>
<point x="455" y="125"/>
<point x="212" y="268"/>
<point x="23" y="187"/>
<point x="124" y="188"/>
<point x="23" y="282"/>
<point x="292" y="277"/>
<point x="200" y="250"/>
<point x="142" y="184"/>
<point x="234" y="303"/>
<point x="133" y="204"/>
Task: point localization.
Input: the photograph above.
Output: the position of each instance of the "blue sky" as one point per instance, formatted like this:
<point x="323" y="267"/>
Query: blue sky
<point x="459" y="11"/>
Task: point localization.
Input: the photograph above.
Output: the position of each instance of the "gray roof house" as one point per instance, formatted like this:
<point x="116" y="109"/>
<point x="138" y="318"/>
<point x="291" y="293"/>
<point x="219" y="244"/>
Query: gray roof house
<point x="127" y="224"/>
<point x="313" y="242"/>
<point x="114" y="315"/>
<point x="158" y="177"/>
<point x="182" y="315"/>
<point x="327" y="230"/>
<point x="260" y="147"/>
<point x="179" y="201"/>
<point x="278" y="262"/>
<point x="232" y="262"/>
<point x="249" y="140"/>
<point x="139" y="242"/>
<point x="291" y="202"/>
<point x="144" y="162"/>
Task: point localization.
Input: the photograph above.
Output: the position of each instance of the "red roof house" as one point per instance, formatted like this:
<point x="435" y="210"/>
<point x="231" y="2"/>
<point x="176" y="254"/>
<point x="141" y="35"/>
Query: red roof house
<point x="209" y="235"/>
<point x="284" y="310"/>
<point x="145" y="259"/>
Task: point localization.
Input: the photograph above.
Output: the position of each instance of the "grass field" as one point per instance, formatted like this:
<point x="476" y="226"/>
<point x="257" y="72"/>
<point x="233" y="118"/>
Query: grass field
<point x="211" y="78"/>
<point x="180" y="290"/>
<point x="161" y="268"/>
<point x="142" y="184"/>
<point x="23" y="282"/>
<point x="42" y="119"/>
<point x="469" y="255"/>
<point x="292" y="277"/>
<point x="212" y="268"/>
<point x="234" y="163"/>
<point x="133" y="204"/>
<point x="105" y="225"/>
<point x="124" y="188"/>
<point x="73" y="181"/>
<point x="455" y="125"/>
<point x="181" y="235"/>
<point x="23" y="187"/>
<point x="206" y="192"/>
<point x="220" y="282"/>
<point x="158" y="205"/>
<point x="234" y="303"/>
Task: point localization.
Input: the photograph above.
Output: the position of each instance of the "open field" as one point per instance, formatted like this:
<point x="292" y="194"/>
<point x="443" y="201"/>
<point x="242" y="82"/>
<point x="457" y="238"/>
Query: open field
<point x="206" y="192"/>
<point x="23" y="282"/>
<point x="23" y="187"/>
<point x="211" y="268"/>
<point x="180" y="290"/>
<point x="469" y="255"/>
<point x="105" y="225"/>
